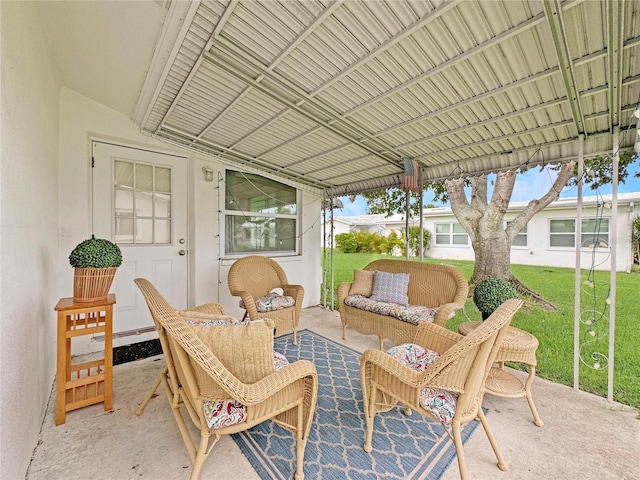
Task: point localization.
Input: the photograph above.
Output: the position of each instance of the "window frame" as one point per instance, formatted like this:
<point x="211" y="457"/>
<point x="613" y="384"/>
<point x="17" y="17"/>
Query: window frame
<point x="583" y="232"/>
<point x="238" y="213"/>
<point x="134" y="214"/>
<point x="451" y="235"/>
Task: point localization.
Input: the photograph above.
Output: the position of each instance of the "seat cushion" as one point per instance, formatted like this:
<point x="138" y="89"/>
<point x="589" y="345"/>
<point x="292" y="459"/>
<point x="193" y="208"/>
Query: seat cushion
<point x="229" y="412"/>
<point x="272" y="301"/>
<point x="440" y="403"/>
<point x="390" y="287"/>
<point x="413" y="314"/>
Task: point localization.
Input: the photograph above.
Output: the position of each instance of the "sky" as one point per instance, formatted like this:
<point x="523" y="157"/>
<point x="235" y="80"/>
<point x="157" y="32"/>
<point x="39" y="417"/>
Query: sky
<point x="529" y="186"/>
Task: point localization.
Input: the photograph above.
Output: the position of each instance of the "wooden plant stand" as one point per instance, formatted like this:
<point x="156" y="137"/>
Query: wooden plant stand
<point x="85" y="383"/>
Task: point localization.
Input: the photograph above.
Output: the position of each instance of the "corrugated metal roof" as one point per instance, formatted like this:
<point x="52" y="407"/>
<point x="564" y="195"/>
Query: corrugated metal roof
<point x="334" y="94"/>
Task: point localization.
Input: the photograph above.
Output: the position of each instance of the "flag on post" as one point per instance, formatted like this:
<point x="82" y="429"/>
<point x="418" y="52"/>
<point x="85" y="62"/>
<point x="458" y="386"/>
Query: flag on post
<point x="410" y="180"/>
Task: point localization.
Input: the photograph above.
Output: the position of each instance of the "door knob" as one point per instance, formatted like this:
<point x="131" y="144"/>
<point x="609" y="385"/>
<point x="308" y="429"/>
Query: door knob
<point x="182" y="252"/>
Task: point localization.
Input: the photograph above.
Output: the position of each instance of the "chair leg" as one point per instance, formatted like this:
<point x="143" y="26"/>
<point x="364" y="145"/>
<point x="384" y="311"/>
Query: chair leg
<point x="457" y="441"/>
<point x="527" y="391"/>
<point x="174" y="402"/>
<point x="369" y="414"/>
<point x="502" y="464"/>
<point x="295" y="336"/>
<point x="301" y="443"/>
<point x="152" y="391"/>
<point x="201" y="456"/>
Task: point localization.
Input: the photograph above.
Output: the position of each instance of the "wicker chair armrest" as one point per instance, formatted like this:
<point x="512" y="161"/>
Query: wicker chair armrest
<point x="268" y="386"/>
<point x="208" y="308"/>
<point x="445" y="311"/>
<point x="435" y="337"/>
<point x="207" y="312"/>
<point x="249" y="304"/>
<point x="343" y="291"/>
<point x="295" y="291"/>
<point x="391" y="367"/>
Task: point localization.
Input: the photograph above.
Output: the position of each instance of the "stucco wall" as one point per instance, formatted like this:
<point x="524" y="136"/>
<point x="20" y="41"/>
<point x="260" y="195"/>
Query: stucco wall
<point x="81" y="119"/>
<point x="538" y="252"/>
<point x="28" y="233"/>
<point x="45" y="211"/>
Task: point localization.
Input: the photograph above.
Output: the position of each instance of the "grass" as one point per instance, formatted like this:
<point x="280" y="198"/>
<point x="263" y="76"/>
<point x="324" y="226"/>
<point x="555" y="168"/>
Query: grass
<point x="554" y="330"/>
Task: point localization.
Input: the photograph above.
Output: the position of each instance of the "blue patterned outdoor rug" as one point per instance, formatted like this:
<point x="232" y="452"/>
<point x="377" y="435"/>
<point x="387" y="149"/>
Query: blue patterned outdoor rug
<point x="403" y="447"/>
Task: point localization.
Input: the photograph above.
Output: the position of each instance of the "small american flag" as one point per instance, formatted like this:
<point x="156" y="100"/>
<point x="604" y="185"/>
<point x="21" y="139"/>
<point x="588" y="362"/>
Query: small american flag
<point x="410" y="180"/>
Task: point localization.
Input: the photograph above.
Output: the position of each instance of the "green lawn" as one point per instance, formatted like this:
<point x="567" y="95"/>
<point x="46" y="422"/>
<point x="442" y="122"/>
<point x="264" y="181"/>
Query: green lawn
<point x="554" y="330"/>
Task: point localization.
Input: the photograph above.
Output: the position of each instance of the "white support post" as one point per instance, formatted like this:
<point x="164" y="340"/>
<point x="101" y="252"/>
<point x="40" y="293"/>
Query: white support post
<point x="407" y="209"/>
<point x="332" y="247"/>
<point x="578" y="283"/>
<point x="421" y="216"/>
<point x="324" y="250"/>
<point x="613" y="239"/>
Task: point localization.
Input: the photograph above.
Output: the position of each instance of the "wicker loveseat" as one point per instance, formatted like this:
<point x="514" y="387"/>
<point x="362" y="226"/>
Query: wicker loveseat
<point x="434" y="293"/>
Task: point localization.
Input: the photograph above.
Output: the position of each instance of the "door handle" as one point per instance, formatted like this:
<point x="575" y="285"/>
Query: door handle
<point x="182" y="252"/>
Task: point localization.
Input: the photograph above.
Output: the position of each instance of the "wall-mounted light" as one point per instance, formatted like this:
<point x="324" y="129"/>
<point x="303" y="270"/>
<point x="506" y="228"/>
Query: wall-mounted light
<point x="208" y="174"/>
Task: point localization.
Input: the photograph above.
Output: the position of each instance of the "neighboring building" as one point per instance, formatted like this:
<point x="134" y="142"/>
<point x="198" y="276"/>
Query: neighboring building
<point x="547" y="240"/>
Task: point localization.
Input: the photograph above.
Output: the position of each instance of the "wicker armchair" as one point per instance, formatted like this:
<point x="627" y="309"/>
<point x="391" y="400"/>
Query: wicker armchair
<point x="195" y="378"/>
<point x="254" y="277"/>
<point x="447" y="387"/>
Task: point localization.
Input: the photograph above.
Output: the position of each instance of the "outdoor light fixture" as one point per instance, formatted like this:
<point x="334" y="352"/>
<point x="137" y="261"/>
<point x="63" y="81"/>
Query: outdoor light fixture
<point x="208" y="174"/>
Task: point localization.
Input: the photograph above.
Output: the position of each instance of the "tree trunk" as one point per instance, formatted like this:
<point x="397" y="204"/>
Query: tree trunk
<point x="493" y="257"/>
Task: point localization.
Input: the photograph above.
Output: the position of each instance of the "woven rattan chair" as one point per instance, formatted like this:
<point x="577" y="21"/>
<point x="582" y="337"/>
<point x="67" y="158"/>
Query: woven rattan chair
<point x="254" y="277"/>
<point x="461" y="369"/>
<point x="207" y="309"/>
<point x="194" y="376"/>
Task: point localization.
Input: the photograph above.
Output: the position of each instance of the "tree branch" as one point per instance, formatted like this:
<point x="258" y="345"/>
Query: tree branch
<point x="479" y="192"/>
<point x="534" y="206"/>
<point x="503" y="190"/>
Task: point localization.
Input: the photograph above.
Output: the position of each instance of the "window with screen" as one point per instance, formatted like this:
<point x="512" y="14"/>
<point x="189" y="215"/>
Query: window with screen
<point x="595" y="233"/>
<point x="451" y="234"/>
<point x="260" y="215"/>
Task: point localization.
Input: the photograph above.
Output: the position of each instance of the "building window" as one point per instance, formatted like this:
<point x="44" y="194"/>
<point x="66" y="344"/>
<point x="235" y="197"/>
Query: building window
<point x="451" y="234"/>
<point x="595" y="233"/>
<point x="520" y="240"/>
<point x="261" y="215"/>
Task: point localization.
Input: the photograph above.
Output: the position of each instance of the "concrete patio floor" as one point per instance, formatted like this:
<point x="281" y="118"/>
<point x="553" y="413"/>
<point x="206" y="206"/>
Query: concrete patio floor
<point x="583" y="436"/>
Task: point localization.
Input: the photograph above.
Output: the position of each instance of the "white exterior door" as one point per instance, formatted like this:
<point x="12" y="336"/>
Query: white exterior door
<point x="140" y="203"/>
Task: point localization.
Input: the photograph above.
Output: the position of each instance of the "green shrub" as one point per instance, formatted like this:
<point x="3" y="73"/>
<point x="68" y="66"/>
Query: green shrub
<point x="96" y="253"/>
<point x="490" y="293"/>
<point x="346" y="242"/>
<point x="360" y="242"/>
<point x="391" y="241"/>
<point x="414" y="240"/>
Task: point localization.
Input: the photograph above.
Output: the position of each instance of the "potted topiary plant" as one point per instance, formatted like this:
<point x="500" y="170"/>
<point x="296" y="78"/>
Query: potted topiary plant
<point x="95" y="261"/>
<point x="490" y="293"/>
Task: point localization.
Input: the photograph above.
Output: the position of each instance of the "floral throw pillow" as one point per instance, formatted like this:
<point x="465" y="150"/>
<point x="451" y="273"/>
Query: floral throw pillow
<point x="390" y="287"/>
